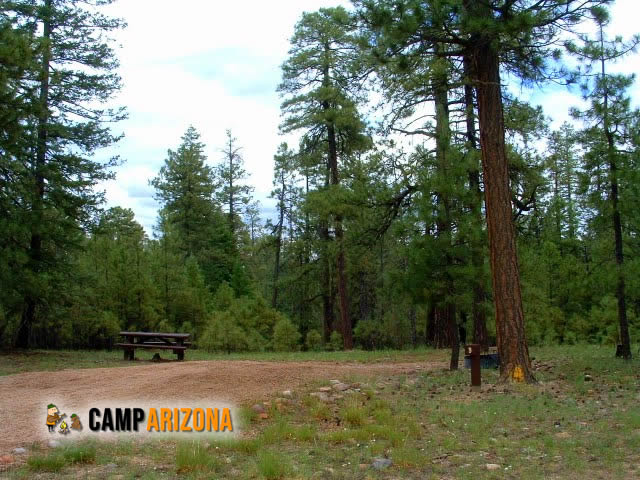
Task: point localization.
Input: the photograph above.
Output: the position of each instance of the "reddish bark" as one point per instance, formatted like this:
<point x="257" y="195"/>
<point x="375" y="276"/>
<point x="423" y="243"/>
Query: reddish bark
<point x="515" y="363"/>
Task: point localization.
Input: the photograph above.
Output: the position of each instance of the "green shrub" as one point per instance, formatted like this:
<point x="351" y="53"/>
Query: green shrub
<point x="313" y="341"/>
<point x="241" y="324"/>
<point x="335" y="342"/>
<point x="370" y="334"/>
<point x="223" y="334"/>
<point x="286" y="336"/>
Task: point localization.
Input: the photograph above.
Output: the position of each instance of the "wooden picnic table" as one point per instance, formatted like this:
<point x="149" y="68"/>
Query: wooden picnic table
<point x="178" y="342"/>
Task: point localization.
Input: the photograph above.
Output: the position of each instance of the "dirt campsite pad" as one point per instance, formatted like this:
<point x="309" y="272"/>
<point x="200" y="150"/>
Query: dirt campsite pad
<point x="24" y="397"/>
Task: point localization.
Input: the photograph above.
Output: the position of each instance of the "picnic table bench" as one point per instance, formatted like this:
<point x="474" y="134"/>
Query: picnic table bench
<point x="488" y="359"/>
<point x="177" y="342"/>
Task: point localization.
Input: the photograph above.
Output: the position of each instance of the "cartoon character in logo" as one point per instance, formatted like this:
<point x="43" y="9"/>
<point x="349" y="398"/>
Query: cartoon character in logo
<point x="75" y="422"/>
<point x="53" y="417"/>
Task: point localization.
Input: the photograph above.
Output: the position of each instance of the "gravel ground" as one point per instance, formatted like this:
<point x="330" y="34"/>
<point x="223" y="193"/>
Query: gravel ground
<point x="24" y="397"/>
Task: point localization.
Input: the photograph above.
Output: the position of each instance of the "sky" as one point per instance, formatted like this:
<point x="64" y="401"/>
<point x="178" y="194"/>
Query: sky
<point x="216" y="65"/>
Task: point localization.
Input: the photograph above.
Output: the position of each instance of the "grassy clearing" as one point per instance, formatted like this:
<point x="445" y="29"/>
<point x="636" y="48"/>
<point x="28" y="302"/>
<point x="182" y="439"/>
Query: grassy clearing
<point x="56" y="460"/>
<point x="431" y="425"/>
<point x="17" y="361"/>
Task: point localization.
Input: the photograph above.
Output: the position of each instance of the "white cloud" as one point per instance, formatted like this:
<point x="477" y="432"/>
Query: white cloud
<point x="215" y="65"/>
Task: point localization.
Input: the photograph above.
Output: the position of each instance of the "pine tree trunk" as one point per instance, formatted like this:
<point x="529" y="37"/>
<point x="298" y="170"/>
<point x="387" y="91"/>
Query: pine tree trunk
<point x="412" y="324"/>
<point x="515" y="363"/>
<point x="429" y="328"/>
<point x="625" y="340"/>
<point x="35" y="244"/>
<point x="345" y="321"/>
<point x="443" y="143"/>
<point x="453" y="336"/>
<point x="276" y="268"/>
<point x="327" y="285"/>
<point x="441" y="328"/>
<point x="478" y="312"/>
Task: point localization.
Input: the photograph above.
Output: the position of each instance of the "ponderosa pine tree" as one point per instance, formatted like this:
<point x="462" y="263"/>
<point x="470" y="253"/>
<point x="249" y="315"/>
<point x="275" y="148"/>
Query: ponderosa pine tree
<point x="233" y="194"/>
<point x="73" y="75"/>
<point x="283" y="161"/>
<point x="185" y="187"/>
<point x="519" y="36"/>
<point x="562" y="165"/>
<point x="17" y="52"/>
<point x="607" y="138"/>
<point x="319" y="83"/>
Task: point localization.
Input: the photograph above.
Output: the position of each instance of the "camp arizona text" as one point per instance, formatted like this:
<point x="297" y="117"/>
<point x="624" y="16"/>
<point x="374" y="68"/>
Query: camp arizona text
<point x="161" y="419"/>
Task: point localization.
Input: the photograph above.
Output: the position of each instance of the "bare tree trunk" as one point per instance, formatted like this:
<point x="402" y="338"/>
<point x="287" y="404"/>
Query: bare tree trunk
<point x="515" y="363"/>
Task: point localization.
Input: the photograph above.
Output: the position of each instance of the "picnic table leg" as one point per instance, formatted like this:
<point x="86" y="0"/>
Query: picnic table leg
<point x="180" y="352"/>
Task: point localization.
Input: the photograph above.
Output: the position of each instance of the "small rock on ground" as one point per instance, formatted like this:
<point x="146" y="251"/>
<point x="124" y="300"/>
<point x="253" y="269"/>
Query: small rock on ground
<point x="6" y="459"/>
<point x="380" y="463"/>
<point x="334" y="382"/>
<point x="111" y="466"/>
<point x="341" y="387"/>
<point x="287" y="393"/>
<point x="321" y="396"/>
<point x="20" y="450"/>
<point x="53" y="443"/>
<point x="258" y="408"/>
<point x="492" y="466"/>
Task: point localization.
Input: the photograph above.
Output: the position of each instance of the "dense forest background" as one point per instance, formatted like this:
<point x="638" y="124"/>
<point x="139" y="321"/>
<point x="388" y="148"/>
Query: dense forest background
<point x="379" y="238"/>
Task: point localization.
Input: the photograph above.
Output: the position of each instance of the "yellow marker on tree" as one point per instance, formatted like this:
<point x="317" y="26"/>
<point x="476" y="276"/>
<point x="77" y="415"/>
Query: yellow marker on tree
<point x="518" y="374"/>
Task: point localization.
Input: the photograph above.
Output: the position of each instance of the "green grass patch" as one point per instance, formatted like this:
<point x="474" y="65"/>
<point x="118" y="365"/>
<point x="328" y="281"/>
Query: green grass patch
<point x="353" y="414"/>
<point x="248" y="446"/>
<point x="46" y="463"/>
<point x="80" y="453"/>
<point x="56" y="460"/>
<point x="194" y="456"/>
<point x="272" y="466"/>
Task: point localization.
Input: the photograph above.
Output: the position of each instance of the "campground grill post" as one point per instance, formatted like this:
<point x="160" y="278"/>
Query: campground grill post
<point x="473" y="351"/>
